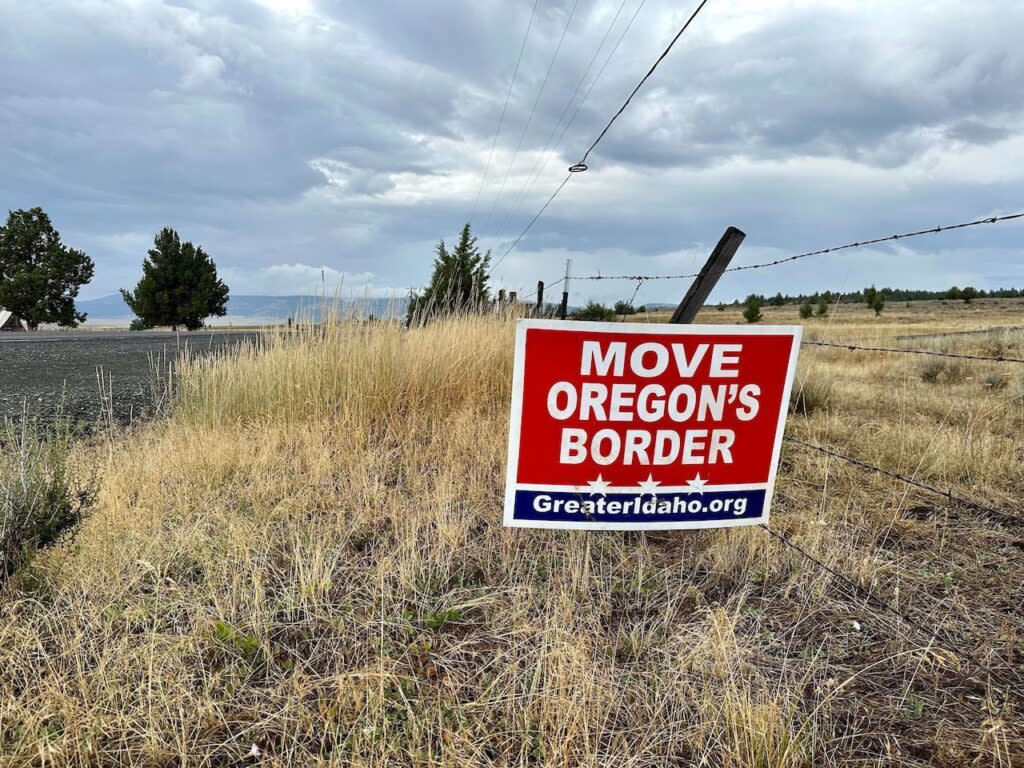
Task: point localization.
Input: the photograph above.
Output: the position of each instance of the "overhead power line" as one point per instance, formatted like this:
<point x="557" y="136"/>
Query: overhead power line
<point x="536" y="216"/>
<point x="833" y="249"/>
<point x="605" y="130"/>
<point x="501" y="118"/>
<point x="544" y="154"/>
<point x="682" y="29"/>
<point x="533" y="110"/>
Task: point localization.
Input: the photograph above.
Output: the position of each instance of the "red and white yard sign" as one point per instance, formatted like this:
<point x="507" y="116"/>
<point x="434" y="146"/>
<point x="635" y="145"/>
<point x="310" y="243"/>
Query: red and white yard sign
<point x="641" y="426"/>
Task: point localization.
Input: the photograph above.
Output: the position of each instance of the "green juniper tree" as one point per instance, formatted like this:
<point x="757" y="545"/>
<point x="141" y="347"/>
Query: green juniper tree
<point x="179" y="285"/>
<point x="873" y="298"/>
<point x="458" y="285"/>
<point x="752" y="312"/>
<point x="823" y="301"/>
<point x="806" y="310"/>
<point x="40" y="276"/>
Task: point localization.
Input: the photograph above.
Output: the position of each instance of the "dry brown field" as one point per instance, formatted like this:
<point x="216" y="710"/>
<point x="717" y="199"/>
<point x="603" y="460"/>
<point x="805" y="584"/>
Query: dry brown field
<point x="305" y="565"/>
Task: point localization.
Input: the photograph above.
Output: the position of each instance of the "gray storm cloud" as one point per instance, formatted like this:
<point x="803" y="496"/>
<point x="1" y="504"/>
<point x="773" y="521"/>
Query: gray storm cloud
<point x="292" y="138"/>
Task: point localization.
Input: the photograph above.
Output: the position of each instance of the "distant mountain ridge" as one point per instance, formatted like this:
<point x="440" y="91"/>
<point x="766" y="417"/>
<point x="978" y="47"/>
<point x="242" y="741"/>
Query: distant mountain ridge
<point x="247" y="309"/>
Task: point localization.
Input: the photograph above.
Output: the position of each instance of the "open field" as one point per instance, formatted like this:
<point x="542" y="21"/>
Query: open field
<point x="855" y="322"/>
<point x="306" y="561"/>
<point x="43" y="371"/>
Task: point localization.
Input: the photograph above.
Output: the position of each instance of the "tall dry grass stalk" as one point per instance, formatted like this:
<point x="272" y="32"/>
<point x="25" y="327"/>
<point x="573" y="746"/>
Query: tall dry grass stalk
<point x="306" y="560"/>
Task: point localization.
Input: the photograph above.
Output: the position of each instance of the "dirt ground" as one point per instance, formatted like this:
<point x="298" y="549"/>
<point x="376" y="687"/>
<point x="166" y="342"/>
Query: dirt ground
<point x="43" y="372"/>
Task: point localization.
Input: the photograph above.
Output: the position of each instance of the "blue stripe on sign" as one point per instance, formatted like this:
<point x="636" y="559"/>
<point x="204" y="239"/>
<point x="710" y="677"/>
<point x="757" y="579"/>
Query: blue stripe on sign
<point x="634" y="508"/>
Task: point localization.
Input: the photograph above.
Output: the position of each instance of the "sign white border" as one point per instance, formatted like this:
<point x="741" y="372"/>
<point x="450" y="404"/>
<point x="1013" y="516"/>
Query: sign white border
<point x="516" y="418"/>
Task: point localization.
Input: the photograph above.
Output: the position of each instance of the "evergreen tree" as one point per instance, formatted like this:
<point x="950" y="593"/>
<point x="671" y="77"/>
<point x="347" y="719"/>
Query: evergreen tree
<point x="752" y="313"/>
<point x="869" y="294"/>
<point x="459" y="282"/>
<point x="39" y="276"/>
<point x="968" y="294"/>
<point x="875" y="300"/>
<point x="805" y="310"/>
<point x="823" y="301"/>
<point x="179" y="285"/>
<point x="624" y="308"/>
<point x="777" y="300"/>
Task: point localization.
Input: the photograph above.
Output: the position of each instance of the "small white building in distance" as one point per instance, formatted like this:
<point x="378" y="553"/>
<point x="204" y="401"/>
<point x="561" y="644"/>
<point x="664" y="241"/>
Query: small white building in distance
<point x="11" y="322"/>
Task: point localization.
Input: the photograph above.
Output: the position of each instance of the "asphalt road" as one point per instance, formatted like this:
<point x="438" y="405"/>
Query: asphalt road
<point x="42" y="373"/>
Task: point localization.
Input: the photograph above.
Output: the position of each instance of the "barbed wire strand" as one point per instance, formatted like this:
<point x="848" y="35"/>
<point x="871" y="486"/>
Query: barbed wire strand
<point x="833" y="249"/>
<point x="547" y="285"/>
<point x="1000" y="514"/>
<point x="639" y="285"/>
<point x="855" y="347"/>
<point x="869" y="595"/>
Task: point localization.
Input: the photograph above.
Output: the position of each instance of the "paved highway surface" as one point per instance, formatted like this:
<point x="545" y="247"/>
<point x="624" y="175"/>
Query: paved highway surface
<point x="42" y="372"/>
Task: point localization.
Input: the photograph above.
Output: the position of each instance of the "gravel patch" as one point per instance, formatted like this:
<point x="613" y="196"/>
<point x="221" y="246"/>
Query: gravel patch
<point x="43" y="372"/>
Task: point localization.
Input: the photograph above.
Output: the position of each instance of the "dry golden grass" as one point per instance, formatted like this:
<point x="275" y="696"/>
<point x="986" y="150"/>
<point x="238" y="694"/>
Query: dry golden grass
<point x="308" y="557"/>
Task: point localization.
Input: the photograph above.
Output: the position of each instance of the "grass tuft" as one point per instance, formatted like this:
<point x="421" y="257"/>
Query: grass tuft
<point x="41" y="498"/>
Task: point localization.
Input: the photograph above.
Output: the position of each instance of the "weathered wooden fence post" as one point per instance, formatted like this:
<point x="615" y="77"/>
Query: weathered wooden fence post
<point x="716" y="264"/>
<point x="540" y="298"/>
<point x="563" y="310"/>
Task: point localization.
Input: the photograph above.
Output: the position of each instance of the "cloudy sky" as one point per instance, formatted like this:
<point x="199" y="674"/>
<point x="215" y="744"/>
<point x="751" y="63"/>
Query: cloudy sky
<point x="301" y="141"/>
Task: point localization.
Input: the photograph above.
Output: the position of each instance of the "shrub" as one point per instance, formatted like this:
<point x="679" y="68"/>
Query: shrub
<point x="822" y="309"/>
<point x="1017" y="395"/>
<point x="138" y="324"/>
<point x="1001" y="343"/>
<point x="594" y="310"/>
<point x="806" y="310"/>
<point x="930" y="370"/>
<point x="809" y="396"/>
<point x="40" y="497"/>
<point x="994" y="380"/>
<point x="933" y="371"/>
<point x="624" y="308"/>
<point x="752" y="313"/>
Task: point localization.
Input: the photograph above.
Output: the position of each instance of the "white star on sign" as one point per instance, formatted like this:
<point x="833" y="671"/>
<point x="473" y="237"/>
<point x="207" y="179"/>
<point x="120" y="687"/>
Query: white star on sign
<point x="650" y="485"/>
<point x="696" y="485"/>
<point x="600" y="486"/>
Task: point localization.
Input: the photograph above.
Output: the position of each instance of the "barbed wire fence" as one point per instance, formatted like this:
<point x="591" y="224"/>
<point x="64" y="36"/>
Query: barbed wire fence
<point x="1002" y="516"/>
<point x="933" y="635"/>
